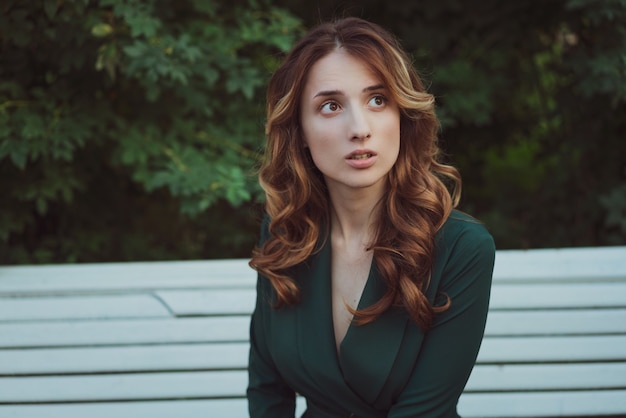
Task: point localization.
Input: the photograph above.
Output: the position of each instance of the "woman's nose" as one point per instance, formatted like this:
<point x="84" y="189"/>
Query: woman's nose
<point x="360" y="128"/>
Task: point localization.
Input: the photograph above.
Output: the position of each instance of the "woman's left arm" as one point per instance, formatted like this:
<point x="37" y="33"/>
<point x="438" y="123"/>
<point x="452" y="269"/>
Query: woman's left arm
<point x="450" y="347"/>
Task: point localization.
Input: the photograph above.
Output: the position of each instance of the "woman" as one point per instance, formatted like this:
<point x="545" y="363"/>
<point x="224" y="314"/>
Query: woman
<point x="372" y="292"/>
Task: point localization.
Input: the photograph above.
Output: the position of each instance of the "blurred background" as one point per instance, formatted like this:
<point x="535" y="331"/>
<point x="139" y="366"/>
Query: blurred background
<point x="131" y="130"/>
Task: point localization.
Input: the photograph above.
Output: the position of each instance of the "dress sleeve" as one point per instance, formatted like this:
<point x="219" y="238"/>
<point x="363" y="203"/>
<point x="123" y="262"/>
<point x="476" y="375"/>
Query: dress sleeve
<point x="268" y="394"/>
<point x="450" y="347"/>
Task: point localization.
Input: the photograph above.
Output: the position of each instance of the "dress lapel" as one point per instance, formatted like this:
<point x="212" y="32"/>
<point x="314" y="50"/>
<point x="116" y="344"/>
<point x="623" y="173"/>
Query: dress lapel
<point x="316" y="340"/>
<point x="368" y="351"/>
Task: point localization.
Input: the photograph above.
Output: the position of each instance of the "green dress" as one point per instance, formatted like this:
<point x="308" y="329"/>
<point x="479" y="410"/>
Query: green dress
<point x="388" y="368"/>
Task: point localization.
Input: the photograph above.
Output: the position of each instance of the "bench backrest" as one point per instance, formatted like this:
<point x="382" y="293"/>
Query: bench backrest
<point x="171" y="338"/>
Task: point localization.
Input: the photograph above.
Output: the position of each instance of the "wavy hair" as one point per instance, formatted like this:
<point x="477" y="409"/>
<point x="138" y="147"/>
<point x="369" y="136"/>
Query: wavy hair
<point x="416" y="201"/>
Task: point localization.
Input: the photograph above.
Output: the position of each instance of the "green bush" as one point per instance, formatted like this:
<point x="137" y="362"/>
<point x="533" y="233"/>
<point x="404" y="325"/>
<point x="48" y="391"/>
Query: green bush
<point x="126" y="125"/>
<point x="129" y="130"/>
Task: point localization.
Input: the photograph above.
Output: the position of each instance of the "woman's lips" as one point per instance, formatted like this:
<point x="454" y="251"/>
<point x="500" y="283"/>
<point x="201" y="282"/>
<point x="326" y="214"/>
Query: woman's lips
<point x="361" y="158"/>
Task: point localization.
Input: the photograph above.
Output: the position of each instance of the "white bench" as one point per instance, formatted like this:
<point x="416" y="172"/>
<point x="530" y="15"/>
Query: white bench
<point x="170" y="339"/>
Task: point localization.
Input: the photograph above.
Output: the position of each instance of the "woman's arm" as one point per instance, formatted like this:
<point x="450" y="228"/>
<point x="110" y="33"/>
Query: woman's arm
<point x="268" y="394"/>
<point x="450" y="348"/>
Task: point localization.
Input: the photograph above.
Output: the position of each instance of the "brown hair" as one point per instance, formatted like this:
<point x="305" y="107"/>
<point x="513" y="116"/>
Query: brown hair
<point x="416" y="202"/>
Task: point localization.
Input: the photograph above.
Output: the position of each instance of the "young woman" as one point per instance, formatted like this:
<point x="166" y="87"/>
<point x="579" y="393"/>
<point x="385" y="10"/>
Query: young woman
<point x="373" y="291"/>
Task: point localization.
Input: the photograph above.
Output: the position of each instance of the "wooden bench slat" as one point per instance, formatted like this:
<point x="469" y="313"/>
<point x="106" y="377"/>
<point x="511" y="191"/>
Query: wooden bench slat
<point x="541" y="404"/>
<point x="155" y="270"/>
<point x="574" y="295"/>
<point x="235" y="355"/>
<point x="124" y="359"/>
<point x="550" y="265"/>
<point x="88" y="307"/>
<point x="214" y="302"/>
<point x="511" y="265"/>
<point x="220" y="384"/>
<point x="241" y="300"/>
<point x="509" y="297"/>
<point x="568" y="376"/>
<point x="235" y="328"/>
<point x="217" y="408"/>
<point x="471" y="405"/>
<point x="553" y="349"/>
<point x="107" y="277"/>
<point x="121" y="284"/>
<point x="121" y="387"/>
<point x="561" y="265"/>
<point x="556" y="322"/>
<point x="125" y="332"/>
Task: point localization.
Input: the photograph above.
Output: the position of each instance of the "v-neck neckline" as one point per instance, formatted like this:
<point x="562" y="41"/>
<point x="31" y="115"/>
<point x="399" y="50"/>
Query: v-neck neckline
<point x="359" y="304"/>
<point x="367" y="352"/>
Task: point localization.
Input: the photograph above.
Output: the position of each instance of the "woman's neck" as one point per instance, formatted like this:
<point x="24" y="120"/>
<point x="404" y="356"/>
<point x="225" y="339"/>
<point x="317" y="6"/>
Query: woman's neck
<point x="353" y="216"/>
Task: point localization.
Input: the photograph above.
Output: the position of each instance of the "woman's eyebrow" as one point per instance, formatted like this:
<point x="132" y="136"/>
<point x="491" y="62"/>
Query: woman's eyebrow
<point x="374" y="88"/>
<point x="326" y="93"/>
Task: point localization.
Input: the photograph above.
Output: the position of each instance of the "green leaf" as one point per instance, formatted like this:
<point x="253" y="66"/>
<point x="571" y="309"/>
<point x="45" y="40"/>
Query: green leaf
<point x="137" y="49"/>
<point x="51" y="7"/>
<point x="19" y="157"/>
<point x="42" y="205"/>
<point x="101" y="30"/>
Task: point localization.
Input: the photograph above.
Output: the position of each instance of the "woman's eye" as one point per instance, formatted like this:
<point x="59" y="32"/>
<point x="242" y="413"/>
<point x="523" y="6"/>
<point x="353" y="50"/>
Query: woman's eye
<point x="330" y="107"/>
<point x="378" y="101"/>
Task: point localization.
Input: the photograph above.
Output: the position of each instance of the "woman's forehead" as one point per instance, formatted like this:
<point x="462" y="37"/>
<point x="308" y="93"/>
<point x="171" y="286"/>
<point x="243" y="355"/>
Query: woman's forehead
<point x="339" y="70"/>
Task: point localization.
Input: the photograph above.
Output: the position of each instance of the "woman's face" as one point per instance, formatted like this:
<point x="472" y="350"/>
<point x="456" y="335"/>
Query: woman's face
<point x="349" y="123"/>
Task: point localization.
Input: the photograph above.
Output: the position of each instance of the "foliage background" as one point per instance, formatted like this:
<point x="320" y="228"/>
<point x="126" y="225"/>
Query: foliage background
<point x="129" y="130"/>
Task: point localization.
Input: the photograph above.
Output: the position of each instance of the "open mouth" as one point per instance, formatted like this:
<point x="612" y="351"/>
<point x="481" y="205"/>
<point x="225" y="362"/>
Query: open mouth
<point x="361" y="156"/>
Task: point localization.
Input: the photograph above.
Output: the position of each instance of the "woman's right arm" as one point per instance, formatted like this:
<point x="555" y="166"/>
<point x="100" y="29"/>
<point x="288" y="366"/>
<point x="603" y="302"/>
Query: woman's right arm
<point x="269" y="396"/>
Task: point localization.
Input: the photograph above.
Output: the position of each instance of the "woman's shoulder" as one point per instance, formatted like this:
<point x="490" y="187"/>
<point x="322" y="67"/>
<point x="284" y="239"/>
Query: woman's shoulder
<point x="464" y="254"/>
<point x="463" y="230"/>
